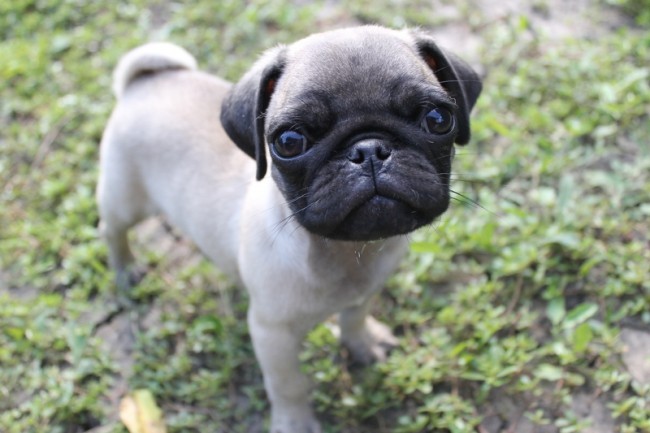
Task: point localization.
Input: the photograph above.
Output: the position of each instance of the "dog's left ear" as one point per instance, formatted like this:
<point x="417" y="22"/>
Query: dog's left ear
<point x="243" y="110"/>
<point x="457" y="78"/>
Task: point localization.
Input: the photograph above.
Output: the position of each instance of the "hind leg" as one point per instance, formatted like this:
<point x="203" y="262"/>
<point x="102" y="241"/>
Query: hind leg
<point x="122" y="204"/>
<point x="120" y="257"/>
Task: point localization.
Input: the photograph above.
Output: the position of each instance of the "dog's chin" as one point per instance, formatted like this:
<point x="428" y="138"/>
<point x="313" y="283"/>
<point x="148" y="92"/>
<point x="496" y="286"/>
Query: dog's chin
<point x="378" y="217"/>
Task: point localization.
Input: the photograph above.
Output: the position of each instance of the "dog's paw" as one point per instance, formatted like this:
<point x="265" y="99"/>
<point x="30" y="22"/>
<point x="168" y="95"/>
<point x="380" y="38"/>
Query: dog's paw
<point x="372" y="343"/>
<point x="125" y="280"/>
<point x="129" y="277"/>
<point x="294" y="420"/>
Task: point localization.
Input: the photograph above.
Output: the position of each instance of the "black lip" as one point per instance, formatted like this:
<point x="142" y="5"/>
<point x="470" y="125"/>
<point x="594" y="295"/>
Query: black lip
<point x="378" y="217"/>
<point x="376" y="198"/>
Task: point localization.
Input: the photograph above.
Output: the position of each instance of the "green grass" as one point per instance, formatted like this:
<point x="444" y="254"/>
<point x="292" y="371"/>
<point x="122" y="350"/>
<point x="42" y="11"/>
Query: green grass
<point x="517" y="294"/>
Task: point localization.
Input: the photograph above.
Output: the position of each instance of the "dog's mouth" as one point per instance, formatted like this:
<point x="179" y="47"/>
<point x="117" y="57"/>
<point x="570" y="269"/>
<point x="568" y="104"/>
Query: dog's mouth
<point x="379" y="217"/>
<point x="371" y="216"/>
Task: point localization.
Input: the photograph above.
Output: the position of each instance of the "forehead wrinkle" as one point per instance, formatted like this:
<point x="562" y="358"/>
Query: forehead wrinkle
<point x="359" y="76"/>
<point x="309" y="108"/>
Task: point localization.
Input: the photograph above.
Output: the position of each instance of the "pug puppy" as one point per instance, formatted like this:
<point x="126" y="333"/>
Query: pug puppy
<point x="299" y="181"/>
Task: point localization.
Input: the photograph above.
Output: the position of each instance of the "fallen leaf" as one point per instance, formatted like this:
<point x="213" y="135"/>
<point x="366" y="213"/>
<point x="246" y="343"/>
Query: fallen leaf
<point x="140" y="414"/>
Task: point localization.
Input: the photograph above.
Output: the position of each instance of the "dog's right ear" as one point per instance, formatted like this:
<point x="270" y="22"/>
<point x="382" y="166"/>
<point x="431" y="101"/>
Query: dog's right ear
<point x="243" y="111"/>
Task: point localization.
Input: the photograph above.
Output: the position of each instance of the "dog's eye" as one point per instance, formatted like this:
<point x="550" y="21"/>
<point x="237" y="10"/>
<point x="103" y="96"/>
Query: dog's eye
<point x="438" y="121"/>
<point x="290" y="144"/>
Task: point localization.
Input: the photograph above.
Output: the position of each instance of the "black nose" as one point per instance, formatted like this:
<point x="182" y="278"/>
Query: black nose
<point x="371" y="149"/>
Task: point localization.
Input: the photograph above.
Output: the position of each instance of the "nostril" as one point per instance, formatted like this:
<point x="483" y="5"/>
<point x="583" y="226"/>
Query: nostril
<point x="356" y="156"/>
<point x="383" y="153"/>
<point x="368" y="149"/>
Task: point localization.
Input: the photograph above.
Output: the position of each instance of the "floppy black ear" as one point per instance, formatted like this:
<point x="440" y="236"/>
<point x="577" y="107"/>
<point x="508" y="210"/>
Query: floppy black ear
<point x="456" y="76"/>
<point x="244" y="108"/>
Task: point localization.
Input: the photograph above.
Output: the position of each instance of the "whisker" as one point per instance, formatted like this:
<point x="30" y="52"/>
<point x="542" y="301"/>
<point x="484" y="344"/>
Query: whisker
<point x="280" y="225"/>
<point x="300" y="197"/>
<point x="459" y="81"/>
<point x="441" y="69"/>
<point x="469" y="181"/>
<point x="468" y="201"/>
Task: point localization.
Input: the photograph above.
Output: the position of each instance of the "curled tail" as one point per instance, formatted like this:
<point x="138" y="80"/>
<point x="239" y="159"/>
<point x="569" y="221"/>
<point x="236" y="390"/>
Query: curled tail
<point x="151" y="57"/>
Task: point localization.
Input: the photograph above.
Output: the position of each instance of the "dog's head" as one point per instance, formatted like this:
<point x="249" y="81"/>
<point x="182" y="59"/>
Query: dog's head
<point x="360" y="124"/>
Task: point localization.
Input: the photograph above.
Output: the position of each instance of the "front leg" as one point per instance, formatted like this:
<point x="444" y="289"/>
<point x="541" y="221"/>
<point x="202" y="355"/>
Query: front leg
<point x="366" y="338"/>
<point x="277" y="346"/>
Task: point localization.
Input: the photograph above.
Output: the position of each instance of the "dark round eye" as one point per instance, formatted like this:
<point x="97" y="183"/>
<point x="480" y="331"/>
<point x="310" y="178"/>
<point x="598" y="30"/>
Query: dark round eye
<point x="438" y="121"/>
<point x="290" y="144"/>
